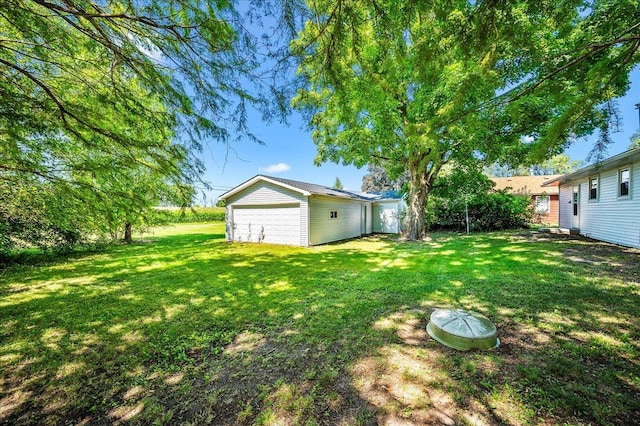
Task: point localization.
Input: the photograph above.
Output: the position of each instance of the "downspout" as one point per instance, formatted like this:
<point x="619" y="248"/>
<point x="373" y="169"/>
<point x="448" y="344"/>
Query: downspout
<point x="229" y="224"/>
<point x="308" y="243"/>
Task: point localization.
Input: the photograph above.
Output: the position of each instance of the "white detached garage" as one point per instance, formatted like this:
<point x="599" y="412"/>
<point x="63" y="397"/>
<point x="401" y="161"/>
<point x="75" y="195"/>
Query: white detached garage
<point x="282" y="211"/>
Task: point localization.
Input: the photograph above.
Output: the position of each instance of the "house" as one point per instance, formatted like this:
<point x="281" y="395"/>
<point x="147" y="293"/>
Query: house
<point x="545" y="199"/>
<point x="602" y="201"/>
<point x="283" y="211"/>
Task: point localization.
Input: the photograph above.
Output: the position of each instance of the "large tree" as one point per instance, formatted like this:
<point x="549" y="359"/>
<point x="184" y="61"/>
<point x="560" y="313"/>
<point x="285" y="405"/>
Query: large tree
<point x="416" y="85"/>
<point x="109" y="101"/>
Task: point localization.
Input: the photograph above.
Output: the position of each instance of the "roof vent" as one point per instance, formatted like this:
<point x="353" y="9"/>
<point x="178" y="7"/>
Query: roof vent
<point x="462" y="330"/>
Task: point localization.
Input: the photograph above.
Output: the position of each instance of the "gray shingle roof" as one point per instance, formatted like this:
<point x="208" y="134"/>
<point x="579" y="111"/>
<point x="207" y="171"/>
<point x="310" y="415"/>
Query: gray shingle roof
<point x="312" y="188"/>
<point x="320" y="189"/>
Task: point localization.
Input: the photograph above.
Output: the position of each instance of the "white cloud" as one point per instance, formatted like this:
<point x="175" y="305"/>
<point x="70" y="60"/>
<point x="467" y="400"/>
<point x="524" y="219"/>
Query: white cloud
<point x="528" y="139"/>
<point x="276" y="168"/>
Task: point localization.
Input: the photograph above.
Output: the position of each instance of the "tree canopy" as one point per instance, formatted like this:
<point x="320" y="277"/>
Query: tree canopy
<point x="558" y="164"/>
<point x="416" y="85"/>
<point x="108" y="103"/>
<point x="378" y="180"/>
<point x="634" y="140"/>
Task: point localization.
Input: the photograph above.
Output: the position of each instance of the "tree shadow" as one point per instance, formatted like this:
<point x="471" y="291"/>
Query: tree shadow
<point x="197" y="330"/>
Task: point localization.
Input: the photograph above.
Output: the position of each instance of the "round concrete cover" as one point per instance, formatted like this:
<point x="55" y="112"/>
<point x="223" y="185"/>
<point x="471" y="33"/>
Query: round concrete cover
<point x="462" y="330"/>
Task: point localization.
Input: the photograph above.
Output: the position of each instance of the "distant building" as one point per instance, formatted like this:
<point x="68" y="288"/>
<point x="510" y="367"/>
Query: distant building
<point x="545" y="199"/>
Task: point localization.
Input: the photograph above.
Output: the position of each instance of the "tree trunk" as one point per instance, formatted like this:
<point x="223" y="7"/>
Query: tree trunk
<point x="127" y="233"/>
<point x="418" y="193"/>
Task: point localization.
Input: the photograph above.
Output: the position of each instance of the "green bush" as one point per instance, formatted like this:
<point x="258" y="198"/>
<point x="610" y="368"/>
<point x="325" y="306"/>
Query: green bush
<point x="487" y="212"/>
<point x="36" y="226"/>
<point x="190" y="215"/>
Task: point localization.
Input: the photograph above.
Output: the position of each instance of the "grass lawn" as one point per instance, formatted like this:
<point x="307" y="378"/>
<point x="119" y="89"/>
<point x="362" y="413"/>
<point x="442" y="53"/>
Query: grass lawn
<point x="184" y="328"/>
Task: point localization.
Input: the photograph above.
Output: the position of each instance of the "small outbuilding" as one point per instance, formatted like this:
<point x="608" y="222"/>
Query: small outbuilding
<point x="283" y="211"/>
<point x="602" y="201"/>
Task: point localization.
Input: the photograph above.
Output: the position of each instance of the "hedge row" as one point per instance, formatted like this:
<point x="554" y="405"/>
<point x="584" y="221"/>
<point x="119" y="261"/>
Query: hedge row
<point x="190" y="214"/>
<point x="487" y="212"/>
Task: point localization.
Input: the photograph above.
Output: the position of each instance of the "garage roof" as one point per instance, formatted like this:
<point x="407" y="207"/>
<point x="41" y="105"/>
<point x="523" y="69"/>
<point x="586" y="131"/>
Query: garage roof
<point x="304" y="188"/>
<point x="319" y="189"/>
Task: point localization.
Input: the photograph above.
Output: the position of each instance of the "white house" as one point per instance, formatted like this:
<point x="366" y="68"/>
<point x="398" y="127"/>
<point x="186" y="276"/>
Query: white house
<point x="282" y="211"/>
<point x="602" y="201"/>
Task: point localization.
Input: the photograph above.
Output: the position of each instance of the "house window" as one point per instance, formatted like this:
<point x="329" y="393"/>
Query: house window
<point x="542" y="204"/>
<point x="593" y="188"/>
<point x="333" y="214"/>
<point x="624" y="177"/>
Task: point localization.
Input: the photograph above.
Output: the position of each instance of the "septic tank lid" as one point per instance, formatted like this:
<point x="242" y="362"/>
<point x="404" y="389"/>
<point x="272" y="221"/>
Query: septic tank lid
<point x="462" y="330"/>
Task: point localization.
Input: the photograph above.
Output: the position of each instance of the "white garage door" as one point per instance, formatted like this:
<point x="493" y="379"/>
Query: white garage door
<point x="269" y="224"/>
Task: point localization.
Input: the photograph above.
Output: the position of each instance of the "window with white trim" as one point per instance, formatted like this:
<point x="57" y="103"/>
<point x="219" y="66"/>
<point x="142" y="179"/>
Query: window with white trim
<point x="542" y="204"/>
<point x="624" y="182"/>
<point x="593" y="188"/>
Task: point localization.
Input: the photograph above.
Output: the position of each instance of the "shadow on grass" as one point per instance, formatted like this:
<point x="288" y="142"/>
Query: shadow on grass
<point x="193" y="329"/>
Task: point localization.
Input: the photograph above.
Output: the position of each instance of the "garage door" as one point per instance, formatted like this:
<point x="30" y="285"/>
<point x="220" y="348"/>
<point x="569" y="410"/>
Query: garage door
<point x="269" y="224"/>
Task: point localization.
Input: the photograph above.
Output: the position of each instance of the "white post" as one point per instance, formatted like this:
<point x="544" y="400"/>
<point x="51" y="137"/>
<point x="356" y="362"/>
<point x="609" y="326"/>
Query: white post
<point x="466" y="211"/>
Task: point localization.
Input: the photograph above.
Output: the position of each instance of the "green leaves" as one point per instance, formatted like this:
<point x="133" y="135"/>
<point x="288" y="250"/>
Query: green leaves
<point x="423" y="84"/>
<point x="108" y="103"/>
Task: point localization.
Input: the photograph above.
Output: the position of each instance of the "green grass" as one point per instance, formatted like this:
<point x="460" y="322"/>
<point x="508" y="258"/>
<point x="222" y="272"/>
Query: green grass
<point x="184" y="328"/>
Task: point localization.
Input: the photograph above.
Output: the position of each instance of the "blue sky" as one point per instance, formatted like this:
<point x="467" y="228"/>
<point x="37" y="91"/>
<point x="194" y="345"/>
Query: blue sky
<point x="289" y="152"/>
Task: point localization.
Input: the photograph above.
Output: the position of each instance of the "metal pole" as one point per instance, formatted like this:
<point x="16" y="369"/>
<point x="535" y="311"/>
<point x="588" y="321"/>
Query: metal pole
<point x="466" y="211"/>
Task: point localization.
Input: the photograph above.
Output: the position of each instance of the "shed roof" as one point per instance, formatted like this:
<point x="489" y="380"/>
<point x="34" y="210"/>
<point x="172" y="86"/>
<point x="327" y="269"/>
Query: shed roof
<point x="525" y="184"/>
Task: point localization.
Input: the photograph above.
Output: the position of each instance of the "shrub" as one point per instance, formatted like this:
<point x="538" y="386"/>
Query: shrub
<point x="487" y="212"/>
<point x="190" y="215"/>
<point x="35" y="229"/>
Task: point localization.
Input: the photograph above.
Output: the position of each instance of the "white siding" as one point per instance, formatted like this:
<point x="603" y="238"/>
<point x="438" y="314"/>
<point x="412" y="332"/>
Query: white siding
<point x="367" y="219"/>
<point x="324" y="229"/>
<point x="304" y="223"/>
<point x="566" y="206"/>
<point x="264" y="193"/>
<point x="228" y="223"/>
<point x="386" y="217"/>
<point x="266" y="198"/>
<point x="609" y="218"/>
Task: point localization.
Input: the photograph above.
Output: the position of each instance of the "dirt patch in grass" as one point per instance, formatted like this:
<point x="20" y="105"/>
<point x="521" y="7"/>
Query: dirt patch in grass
<point x="619" y="261"/>
<point x="264" y="379"/>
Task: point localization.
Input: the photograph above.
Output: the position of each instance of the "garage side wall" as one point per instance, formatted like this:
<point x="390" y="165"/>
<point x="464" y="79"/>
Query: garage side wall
<point x="270" y="199"/>
<point x="324" y="228"/>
